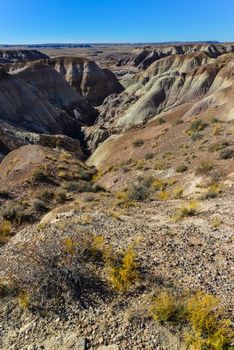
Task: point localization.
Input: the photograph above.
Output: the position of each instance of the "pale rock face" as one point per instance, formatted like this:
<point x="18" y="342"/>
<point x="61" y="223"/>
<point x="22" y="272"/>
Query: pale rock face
<point x="170" y="82"/>
<point x="87" y="78"/>
<point x="35" y="98"/>
<point x="59" y="93"/>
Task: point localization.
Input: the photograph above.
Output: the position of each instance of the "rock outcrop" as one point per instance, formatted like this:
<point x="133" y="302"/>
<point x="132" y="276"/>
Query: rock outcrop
<point x="36" y="99"/>
<point x="144" y="57"/>
<point x="13" y="56"/>
<point x="87" y="78"/>
<point x="194" y="81"/>
<point x="57" y="91"/>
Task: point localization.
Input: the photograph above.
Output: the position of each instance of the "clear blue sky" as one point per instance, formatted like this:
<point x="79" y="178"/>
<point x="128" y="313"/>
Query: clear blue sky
<point x="46" y="21"/>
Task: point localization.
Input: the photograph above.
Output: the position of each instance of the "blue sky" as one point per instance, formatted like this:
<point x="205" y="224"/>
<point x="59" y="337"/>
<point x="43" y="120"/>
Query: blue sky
<point x="46" y="21"/>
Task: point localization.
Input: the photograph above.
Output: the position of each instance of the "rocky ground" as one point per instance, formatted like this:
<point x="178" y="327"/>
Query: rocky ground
<point x="189" y="255"/>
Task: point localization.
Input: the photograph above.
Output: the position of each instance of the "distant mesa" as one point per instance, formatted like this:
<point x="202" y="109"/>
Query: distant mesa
<point x="13" y="56"/>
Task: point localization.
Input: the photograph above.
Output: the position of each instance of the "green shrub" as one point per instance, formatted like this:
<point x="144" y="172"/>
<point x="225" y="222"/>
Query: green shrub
<point x="85" y="175"/>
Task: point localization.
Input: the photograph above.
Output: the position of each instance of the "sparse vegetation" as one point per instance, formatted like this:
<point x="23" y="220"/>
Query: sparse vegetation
<point x="189" y="210"/>
<point x="201" y="313"/>
<point x="5" y="231"/>
<point x="140" y="190"/>
<point x="164" y="307"/>
<point x="40" y="206"/>
<point x="79" y="186"/>
<point x="209" y="328"/>
<point x="16" y="213"/>
<point x="212" y="191"/>
<point x="123" y="271"/>
<point x="40" y="175"/>
<point x="198" y="125"/>
<point x="178" y="192"/>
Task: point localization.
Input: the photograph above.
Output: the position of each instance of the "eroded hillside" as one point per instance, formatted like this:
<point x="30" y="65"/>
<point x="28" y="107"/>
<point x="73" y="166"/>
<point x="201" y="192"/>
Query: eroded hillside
<point x="132" y="247"/>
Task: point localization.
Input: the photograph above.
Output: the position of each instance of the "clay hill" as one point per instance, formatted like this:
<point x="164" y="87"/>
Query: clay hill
<point x="87" y="78"/>
<point x="116" y="201"/>
<point x="144" y="57"/>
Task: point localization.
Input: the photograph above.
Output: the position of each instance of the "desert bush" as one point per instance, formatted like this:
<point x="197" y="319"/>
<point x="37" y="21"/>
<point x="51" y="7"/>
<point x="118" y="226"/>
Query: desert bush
<point x="46" y="196"/>
<point x="216" y="222"/>
<point x="159" y="165"/>
<point x="226" y="153"/>
<point x="24" y="299"/>
<point x="97" y="175"/>
<point x="189" y="210"/>
<point x="209" y="329"/>
<point x="178" y="192"/>
<point x="16" y="213"/>
<point x="161" y="121"/>
<point x="195" y="136"/>
<point x="123" y="270"/>
<point x="140" y="190"/>
<point x="163" y="195"/>
<point x="138" y="143"/>
<point x="5" y="231"/>
<point x="217" y="146"/>
<point x="85" y="175"/>
<point x="198" y="125"/>
<point x="164" y="307"/>
<point x="149" y="156"/>
<point x="216" y="130"/>
<point x="39" y="175"/>
<point x="60" y="196"/>
<point x="204" y="168"/>
<point x="40" y="206"/>
<point x="212" y="191"/>
<point x="78" y="186"/>
<point x="159" y="184"/>
<point x="181" y="168"/>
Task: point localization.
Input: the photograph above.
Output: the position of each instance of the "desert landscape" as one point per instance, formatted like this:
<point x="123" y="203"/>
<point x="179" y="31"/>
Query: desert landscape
<point x="117" y="197"/>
